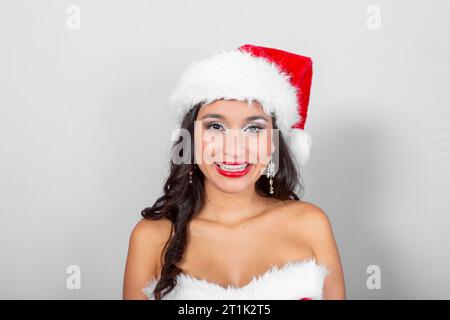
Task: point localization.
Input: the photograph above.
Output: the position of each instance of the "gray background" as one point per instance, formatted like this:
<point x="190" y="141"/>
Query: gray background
<point x="85" y="132"/>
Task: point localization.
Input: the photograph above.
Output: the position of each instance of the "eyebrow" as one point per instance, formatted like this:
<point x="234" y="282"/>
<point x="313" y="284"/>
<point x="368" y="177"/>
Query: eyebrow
<point x="219" y="116"/>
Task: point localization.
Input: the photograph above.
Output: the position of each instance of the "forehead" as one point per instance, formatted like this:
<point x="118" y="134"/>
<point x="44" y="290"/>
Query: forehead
<point x="233" y="109"/>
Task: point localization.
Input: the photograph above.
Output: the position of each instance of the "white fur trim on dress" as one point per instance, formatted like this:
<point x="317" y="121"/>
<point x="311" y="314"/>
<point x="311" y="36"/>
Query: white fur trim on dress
<point x="293" y="281"/>
<point x="236" y="74"/>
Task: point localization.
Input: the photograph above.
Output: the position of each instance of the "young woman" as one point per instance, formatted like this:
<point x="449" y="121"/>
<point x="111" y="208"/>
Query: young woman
<point x="230" y="224"/>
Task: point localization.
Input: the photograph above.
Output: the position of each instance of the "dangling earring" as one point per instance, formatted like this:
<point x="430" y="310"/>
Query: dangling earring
<point x="271" y="174"/>
<point x="190" y="176"/>
<point x="191" y="173"/>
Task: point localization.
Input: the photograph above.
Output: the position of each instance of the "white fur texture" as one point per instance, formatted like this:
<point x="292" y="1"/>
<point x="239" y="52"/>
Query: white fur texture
<point x="236" y="74"/>
<point x="293" y="281"/>
<point x="299" y="142"/>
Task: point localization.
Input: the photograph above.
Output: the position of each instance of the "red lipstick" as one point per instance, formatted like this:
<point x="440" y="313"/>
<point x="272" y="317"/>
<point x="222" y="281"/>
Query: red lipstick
<point x="234" y="173"/>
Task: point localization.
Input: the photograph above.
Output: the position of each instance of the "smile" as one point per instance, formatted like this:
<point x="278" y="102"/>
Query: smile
<point x="233" y="169"/>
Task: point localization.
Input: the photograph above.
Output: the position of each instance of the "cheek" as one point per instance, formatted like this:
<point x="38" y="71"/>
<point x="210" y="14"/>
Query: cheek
<point x="210" y="147"/>
<point x="253" y="148"/>
<point x="259" y="149"/>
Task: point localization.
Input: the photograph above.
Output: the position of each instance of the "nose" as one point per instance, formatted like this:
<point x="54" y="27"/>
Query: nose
<point x="235" y="146"/>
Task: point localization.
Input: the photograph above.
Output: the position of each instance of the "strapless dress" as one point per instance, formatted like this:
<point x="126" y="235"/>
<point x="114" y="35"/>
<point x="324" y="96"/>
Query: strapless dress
<point x="296" y="280"/>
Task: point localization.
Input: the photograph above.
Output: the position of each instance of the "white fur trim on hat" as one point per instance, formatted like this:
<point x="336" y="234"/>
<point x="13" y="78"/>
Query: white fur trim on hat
<point x="236" y="74"/>
<point x="299" y="142"/>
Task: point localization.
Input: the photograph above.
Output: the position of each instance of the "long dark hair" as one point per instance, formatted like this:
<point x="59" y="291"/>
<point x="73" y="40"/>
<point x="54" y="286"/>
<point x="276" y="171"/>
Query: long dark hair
<point x="180" y="203"/>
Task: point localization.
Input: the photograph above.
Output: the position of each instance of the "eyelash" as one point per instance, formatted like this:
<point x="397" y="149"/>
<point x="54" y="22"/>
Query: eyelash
<point x="258" y="127"/>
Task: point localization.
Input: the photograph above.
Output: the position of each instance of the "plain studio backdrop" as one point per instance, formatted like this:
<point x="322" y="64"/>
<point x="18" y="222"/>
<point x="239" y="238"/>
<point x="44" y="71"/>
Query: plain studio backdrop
<point x="85" y="132"/>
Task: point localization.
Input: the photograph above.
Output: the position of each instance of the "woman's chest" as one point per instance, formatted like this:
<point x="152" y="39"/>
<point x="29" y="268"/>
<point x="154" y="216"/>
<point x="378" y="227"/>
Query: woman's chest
<point x="235" y="258"/>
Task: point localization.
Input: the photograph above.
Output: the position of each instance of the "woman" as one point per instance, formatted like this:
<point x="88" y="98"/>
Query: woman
<point x="230" y="224"/>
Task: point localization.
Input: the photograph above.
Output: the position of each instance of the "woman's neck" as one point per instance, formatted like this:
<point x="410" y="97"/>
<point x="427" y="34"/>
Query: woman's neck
<point x="231" y="208"/>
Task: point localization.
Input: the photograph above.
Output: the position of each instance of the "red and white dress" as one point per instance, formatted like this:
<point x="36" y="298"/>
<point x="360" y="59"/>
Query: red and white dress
<point x="296" y="280"/>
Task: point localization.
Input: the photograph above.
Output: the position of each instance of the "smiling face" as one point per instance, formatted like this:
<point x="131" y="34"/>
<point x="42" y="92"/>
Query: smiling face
<point x="233" y="143"/>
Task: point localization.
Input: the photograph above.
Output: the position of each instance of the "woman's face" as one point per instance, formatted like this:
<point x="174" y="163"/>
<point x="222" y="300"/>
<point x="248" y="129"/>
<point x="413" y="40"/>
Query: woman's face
<point x="233" y="143"/>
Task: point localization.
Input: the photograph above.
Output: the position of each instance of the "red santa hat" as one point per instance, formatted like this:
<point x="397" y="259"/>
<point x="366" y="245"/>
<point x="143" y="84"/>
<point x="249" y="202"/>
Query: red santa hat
<point x="279" y="80"/>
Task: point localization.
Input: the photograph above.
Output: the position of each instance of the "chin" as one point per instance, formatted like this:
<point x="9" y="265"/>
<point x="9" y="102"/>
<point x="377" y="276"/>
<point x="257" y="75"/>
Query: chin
<point x="234" y="184"/>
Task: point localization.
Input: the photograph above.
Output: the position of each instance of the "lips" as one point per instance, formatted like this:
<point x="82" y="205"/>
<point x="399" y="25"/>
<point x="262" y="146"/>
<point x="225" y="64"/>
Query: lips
<point x="233" y="169"/>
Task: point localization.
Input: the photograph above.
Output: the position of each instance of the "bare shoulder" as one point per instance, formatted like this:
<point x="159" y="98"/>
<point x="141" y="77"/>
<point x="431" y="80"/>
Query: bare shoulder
<point x="307" y="218"/>
<point x="311" y="224"/>
<point x="305" y="211"/>
<point x="151" y="231"/>
<point x="146" y="243"/>
<point x="148" y="238"/>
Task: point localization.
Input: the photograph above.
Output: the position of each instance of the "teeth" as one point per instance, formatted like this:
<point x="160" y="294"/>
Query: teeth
<point x="230" y="167"/>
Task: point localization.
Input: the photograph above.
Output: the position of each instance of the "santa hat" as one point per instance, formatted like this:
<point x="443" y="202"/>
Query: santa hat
<point x="279" y="80"/>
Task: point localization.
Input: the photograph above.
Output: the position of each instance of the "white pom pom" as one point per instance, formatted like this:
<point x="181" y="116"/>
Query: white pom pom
<point x="300" y="142"/>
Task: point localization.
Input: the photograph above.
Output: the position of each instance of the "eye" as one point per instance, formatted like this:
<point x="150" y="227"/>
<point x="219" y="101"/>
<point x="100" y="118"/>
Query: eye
<point x="254" y="128"/>
<point x="214" y="126"/>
